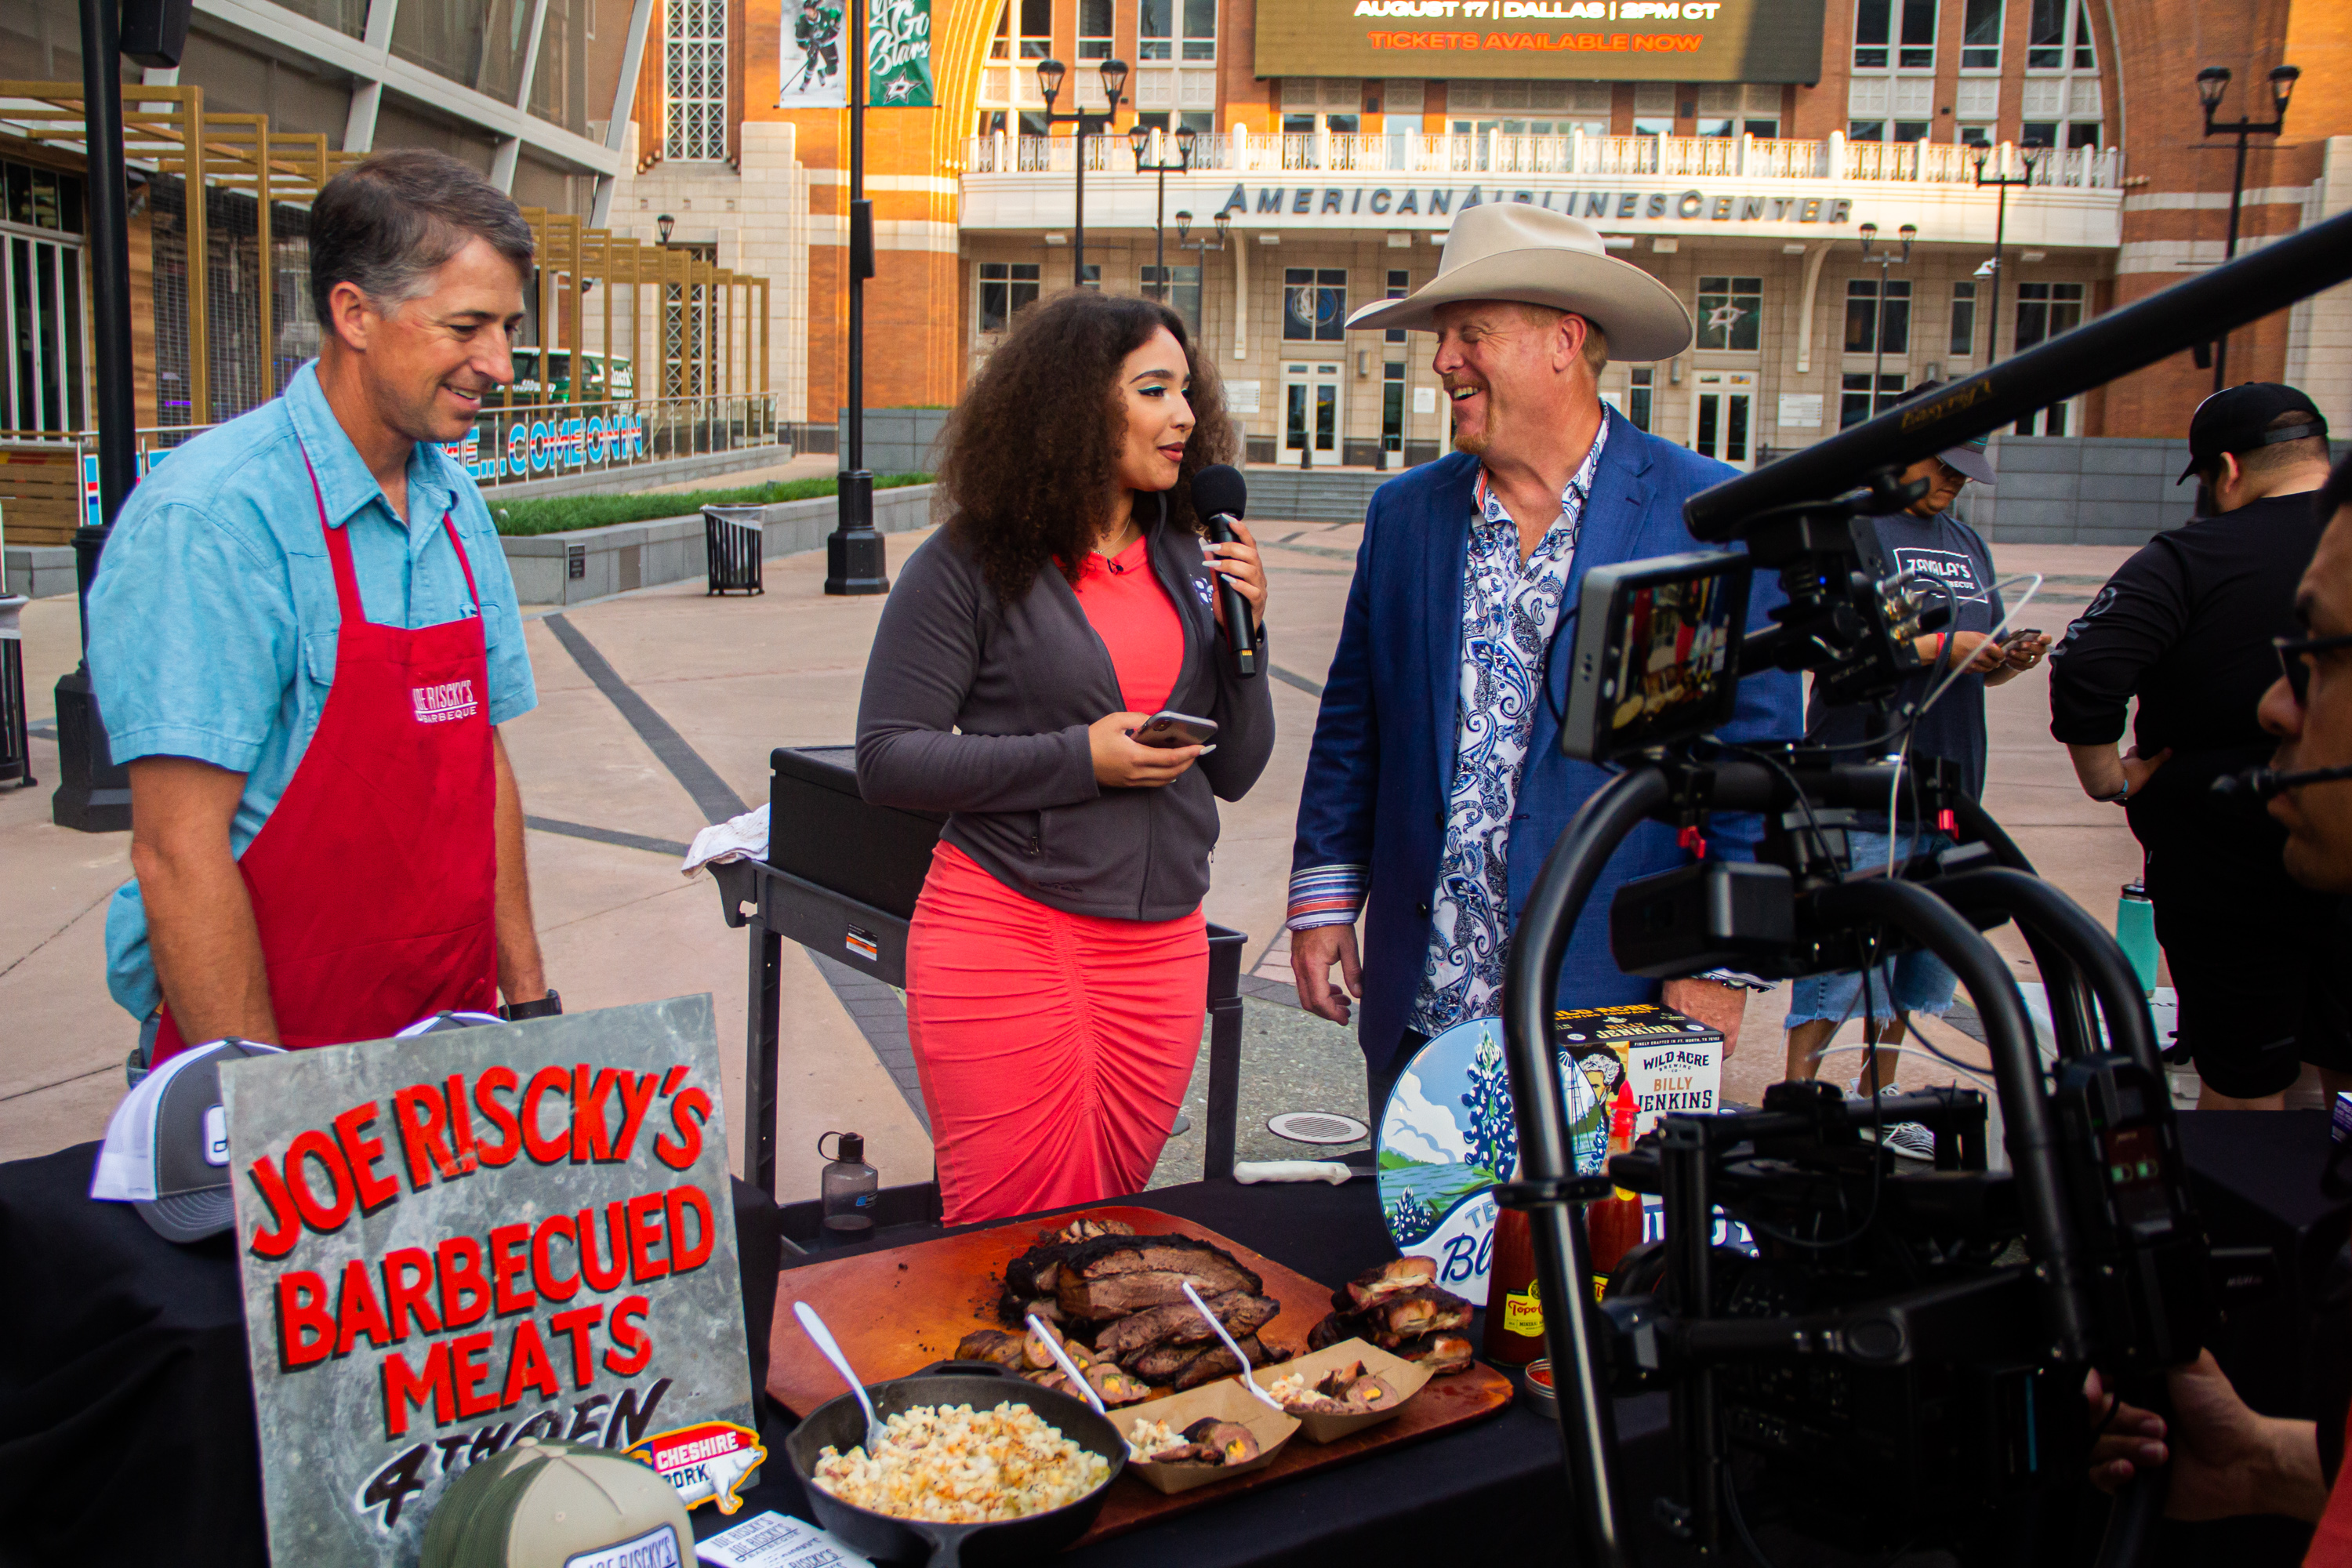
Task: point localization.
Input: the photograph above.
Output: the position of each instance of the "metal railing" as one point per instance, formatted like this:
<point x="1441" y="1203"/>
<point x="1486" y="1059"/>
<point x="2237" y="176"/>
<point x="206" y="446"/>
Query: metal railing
<point x="552" y="440"/>
<point x="1691" y="157"/>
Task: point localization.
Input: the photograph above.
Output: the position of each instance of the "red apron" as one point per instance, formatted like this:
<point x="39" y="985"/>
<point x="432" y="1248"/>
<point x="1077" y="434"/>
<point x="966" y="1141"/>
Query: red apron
<point x="375" y="882"/>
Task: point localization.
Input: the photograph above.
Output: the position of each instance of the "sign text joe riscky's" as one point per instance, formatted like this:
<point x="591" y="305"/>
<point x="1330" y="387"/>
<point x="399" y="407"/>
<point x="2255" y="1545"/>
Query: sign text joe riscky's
<point x="457" y="1241"/>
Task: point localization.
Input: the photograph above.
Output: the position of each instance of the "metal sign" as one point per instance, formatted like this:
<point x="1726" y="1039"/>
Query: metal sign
<point x="456" y="1241"/>
<point x="1589" y="40"/>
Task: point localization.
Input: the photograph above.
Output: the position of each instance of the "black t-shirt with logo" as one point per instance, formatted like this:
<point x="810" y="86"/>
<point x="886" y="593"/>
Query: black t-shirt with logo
<point x="2186" y="627"/>
<point x="1947" y="551"/>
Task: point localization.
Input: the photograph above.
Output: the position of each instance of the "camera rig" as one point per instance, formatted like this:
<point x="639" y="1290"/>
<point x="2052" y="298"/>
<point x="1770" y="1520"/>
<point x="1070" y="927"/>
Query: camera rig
<point x="1901" y="1362"/>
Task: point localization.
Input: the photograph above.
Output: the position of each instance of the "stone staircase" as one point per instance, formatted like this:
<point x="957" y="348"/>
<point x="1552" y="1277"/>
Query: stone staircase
<point x="1315" y="495"/>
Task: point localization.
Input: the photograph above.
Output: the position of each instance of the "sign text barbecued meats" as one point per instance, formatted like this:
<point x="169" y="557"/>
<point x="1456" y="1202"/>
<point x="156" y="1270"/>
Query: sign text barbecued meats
<point x="455" y="1241"/>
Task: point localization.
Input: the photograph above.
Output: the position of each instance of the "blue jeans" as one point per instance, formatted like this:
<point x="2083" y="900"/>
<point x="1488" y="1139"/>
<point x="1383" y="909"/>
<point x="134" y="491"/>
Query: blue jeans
<point x="1909" y="982"/>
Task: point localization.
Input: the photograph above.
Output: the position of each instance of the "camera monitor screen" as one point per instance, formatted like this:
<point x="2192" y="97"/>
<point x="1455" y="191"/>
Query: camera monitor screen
<point x="1657" y="653"/>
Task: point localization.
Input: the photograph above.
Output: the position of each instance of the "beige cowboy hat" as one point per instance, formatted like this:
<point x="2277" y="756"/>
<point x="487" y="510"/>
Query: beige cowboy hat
<point x="1517" y="250"/>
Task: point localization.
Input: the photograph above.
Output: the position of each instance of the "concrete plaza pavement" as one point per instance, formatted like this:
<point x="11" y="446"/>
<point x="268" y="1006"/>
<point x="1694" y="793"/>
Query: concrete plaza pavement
<point x="731" y="679"/>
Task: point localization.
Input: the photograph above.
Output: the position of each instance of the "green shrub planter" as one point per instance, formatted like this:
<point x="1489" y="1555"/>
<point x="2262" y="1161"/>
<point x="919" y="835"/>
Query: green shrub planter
<point x="572" y="565"/>
<point x="564" y="514"/>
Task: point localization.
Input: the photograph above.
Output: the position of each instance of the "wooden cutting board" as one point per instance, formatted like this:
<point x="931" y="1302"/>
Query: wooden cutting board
<point x="895" y="1312"/>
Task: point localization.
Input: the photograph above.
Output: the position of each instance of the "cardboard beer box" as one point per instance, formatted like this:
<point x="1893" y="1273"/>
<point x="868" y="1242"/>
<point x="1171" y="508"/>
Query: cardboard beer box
<point x="1675" y="1063"/>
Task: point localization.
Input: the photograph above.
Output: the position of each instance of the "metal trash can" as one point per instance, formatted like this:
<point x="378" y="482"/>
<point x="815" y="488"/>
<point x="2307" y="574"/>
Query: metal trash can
<point x="734" y="536"/>
<point x="16" y="746"/>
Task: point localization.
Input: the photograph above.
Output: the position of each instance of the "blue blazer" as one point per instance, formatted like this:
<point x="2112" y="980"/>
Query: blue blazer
<point x="1382" y="761"/>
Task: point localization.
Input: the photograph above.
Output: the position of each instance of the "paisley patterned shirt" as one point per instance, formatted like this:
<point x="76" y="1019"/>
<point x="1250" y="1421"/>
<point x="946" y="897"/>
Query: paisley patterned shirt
<point x="1509" y="611"/>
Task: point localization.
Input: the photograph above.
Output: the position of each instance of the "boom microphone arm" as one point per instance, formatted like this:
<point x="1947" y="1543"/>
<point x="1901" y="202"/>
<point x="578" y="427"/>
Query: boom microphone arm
<point x="2255" y="285"/>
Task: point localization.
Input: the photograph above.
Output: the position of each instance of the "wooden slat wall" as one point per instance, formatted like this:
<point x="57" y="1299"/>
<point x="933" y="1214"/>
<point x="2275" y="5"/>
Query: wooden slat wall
<point x="43" y="485"/>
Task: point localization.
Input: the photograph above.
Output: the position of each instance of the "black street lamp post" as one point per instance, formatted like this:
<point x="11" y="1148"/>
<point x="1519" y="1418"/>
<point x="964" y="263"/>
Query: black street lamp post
<point x="2211" y="83"/>
<point x="2029" y="155"/>
<point x="1202" y="246"/>
<point x="1049" y="83"/>
<point x="1885" y="260"/>
<point x="855" y="559"/>
<point x="1204" y="243"/>
<point x="1139" y="138"/>
<point x="93" y="791"/>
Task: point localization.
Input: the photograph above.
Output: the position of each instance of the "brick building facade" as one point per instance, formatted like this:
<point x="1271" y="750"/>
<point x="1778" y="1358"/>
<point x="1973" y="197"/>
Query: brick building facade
<point x="1747" y="197"/>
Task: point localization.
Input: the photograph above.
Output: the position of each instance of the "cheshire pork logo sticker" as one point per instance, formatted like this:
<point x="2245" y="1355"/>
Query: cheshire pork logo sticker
<point x="705" y="1463"/>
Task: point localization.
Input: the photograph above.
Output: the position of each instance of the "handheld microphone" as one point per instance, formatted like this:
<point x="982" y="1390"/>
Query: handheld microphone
<point x="1220" y="495"/>
<point x="2263" y="783"/>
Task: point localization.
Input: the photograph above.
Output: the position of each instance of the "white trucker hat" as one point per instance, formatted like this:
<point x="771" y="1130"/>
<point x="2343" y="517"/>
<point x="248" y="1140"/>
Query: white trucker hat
<point x="166" y="1148"/>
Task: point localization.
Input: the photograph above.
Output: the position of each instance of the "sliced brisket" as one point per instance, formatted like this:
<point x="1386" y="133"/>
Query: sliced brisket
<point x="1178" y="1322"/>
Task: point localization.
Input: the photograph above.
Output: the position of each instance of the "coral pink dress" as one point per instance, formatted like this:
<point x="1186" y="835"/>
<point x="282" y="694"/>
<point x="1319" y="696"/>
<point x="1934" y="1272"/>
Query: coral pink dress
<point x="1053" y="1047"/>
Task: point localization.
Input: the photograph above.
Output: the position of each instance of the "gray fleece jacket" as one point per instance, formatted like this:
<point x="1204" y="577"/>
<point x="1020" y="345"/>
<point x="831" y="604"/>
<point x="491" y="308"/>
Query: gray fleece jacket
<point x="979" y="708"/>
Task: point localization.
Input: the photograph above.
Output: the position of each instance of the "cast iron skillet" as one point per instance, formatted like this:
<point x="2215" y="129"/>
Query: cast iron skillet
<point x="840" y="1423"/>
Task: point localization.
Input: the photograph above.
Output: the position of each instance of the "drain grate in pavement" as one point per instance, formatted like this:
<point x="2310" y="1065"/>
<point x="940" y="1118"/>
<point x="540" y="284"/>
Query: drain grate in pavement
<point x="1316" y="1127"/>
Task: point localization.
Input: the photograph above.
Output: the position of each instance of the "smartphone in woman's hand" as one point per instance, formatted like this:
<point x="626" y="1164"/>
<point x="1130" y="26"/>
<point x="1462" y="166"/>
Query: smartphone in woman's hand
<point x="1171" y="729"/>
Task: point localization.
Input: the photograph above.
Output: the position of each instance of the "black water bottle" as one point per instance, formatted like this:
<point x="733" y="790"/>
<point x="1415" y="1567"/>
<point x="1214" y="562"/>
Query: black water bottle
<point x="846" y="1187"/>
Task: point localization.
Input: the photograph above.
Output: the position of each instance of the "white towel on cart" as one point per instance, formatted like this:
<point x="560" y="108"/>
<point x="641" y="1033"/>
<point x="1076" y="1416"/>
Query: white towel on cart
<point x="743" y="838"/>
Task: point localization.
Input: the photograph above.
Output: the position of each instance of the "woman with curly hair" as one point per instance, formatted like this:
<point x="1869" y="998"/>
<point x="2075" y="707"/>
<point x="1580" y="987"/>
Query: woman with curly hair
<point x="1058" y="963"/>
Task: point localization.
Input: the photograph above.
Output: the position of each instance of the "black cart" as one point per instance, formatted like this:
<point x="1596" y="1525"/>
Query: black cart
<point x="841" y="879"/>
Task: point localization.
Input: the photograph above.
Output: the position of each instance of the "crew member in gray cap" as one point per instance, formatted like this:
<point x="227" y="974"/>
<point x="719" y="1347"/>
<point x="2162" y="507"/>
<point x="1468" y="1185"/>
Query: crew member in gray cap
<point x="1938" y="712"/>
<point x="2187" y="626"/>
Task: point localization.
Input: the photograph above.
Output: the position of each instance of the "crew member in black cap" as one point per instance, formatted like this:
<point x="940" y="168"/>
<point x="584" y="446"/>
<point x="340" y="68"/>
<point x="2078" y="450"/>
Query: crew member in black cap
<point x="2186" y="627"/>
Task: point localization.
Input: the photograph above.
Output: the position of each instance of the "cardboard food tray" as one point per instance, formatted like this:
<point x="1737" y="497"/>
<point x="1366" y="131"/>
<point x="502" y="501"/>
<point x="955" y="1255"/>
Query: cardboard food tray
<point x="1226" y="1399"/>
<point x="1406" y="1377"/>
<point x="897" y="1311"/>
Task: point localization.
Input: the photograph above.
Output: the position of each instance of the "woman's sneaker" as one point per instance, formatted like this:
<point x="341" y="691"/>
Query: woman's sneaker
<point x="1909" y="1138"/>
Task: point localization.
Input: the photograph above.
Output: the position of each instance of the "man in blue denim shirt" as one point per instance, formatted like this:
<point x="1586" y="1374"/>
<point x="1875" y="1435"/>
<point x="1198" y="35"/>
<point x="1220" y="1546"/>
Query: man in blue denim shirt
<point x="303" y="636"/>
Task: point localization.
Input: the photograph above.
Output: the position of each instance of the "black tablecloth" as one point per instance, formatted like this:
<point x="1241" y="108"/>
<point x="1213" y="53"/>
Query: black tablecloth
<point x="126" y="1417"/>
<point x="1491" y="1492"/>
<point x="126" y="1412"/>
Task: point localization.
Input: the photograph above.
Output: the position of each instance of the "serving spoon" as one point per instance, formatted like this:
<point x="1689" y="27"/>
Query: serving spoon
<point x="1268" y="1400"/>
<point x="1069" y="1368"/>
<point x="814" y="1327"/>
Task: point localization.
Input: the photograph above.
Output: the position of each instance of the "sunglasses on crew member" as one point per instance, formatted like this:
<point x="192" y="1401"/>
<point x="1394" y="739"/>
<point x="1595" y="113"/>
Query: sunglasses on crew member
<point x="2291" y="652"/>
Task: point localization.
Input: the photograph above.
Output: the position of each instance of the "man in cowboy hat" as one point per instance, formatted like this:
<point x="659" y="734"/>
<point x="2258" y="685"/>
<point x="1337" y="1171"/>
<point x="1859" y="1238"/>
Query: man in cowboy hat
<point x="1436" y="786"/>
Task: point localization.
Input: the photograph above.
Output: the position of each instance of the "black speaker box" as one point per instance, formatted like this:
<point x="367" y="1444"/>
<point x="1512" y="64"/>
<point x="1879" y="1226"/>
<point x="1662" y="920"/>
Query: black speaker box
<point x="155" y="32"/>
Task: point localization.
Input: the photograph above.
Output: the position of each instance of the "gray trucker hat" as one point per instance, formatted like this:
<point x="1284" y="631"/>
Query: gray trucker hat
<point x="166" y="1148"/>
<point x="1971" y="458"/>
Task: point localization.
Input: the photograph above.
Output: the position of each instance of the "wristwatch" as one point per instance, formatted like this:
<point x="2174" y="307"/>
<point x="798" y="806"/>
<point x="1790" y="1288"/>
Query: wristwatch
<point x="547" y="1006"/>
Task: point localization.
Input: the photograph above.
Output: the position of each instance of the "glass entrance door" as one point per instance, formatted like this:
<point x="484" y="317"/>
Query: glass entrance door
<point x="1310" y="413"/>
<point x="41" y="379"/>
<point x="1723" y="417"/>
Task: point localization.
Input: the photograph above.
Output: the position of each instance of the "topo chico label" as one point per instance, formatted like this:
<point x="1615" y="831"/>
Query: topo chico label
<point x="1523" y="1311"/>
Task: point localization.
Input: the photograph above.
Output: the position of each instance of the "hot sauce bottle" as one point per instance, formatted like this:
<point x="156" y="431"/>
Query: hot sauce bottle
<point x="1514" y="1313"/>
<point x="1613" y="1225"/>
